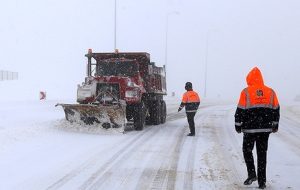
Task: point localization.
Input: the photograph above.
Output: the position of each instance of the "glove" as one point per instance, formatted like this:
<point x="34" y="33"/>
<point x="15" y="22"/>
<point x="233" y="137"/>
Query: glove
<point x="274" y="127"/>
<point x="238" y="129"/>
<point x="179" y="109"/>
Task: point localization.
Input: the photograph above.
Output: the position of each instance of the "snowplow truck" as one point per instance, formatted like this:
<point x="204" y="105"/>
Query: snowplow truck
<point x="120" y="88"/>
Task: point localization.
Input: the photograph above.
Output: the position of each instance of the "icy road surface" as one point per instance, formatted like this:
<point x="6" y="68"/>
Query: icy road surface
<point x="39" y="150"/>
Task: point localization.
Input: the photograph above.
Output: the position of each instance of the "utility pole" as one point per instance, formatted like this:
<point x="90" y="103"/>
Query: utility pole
<point x="115" y="37"/>
<point x="206" y="61"/>
<point x="167" y="32"/>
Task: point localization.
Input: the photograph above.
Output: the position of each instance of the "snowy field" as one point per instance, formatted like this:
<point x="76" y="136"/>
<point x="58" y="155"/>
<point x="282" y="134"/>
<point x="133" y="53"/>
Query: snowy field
<point x="40" y="150"/>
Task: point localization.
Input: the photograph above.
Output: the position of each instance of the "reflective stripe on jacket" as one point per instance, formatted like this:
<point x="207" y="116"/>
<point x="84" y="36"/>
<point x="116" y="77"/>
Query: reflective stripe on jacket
<point x="191" y="101"/>
<point x="258" y="97"/>
<point x="258" y="106"/>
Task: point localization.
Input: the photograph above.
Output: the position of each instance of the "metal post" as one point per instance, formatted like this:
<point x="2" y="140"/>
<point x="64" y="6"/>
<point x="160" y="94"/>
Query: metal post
<point x="206" y="61"/>
<point x="115" y="37"/>
<point x="89" y="71"/>
<point x="166" y="42"/>
<point x="167" y="30"/>
<point x="89" y="65"/>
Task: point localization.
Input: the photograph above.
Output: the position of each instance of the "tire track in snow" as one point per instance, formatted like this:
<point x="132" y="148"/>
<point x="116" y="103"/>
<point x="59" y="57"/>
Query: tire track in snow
<point x="172" y="172"/>
<point x="221" y="165"/>
<point x="188" y="179"/>
<point x="236" y="157"/>
<point x="91" y="162"/>
<point x="189" y="169"/>
<point x="166" y="175"/>
<point x="94" y="159"/>
<point x="167" y="172"/>
<point x="208" y="160"/>
<point x="149" y="175"/>
<point x="290" y="126"/>
<point x="103" y="173"/>
<point x="288" y="138"/>
<point x="288" y="133"/>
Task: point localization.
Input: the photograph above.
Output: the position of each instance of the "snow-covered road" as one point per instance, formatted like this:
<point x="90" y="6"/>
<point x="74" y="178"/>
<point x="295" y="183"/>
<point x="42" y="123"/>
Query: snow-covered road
<point x="39" y="150"/>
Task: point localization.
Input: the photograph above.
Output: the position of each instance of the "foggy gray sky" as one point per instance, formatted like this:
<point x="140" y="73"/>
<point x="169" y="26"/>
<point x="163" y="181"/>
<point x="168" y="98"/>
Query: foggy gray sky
<point x="45" y="41"/>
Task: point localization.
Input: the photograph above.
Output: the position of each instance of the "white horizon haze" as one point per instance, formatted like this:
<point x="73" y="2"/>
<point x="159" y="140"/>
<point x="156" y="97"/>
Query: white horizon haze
<point x="45" y="42"/>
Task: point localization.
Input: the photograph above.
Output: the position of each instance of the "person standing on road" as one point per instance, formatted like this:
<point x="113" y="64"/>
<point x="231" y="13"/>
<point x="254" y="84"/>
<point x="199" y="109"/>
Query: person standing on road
<point x="257" y="115"/>
<point x="191" y="102"/>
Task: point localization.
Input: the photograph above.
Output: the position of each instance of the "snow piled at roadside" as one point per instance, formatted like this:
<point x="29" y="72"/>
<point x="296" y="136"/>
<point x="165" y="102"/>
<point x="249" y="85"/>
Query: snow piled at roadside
<point x="80" y="127"/>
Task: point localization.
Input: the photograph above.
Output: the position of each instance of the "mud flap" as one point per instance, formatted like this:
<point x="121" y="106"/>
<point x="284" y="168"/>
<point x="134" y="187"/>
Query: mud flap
<point x="110" y="116"/>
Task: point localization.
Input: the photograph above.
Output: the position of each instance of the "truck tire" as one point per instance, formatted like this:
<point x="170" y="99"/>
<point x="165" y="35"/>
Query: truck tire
<point x="139" y="116"/>
<point x="148" y="118"/>
<point x="163" y="112"/>
<point x="129" y="113"/>
<point x="156" y="114"/>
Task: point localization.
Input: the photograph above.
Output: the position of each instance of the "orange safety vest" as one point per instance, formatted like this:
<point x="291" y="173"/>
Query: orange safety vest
<point x="190" y="97"/>
<point x="191" y="101"/>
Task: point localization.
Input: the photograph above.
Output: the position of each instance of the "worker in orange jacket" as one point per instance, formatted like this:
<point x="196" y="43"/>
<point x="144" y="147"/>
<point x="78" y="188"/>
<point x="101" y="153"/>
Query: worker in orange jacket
<point x="191" y="102"/>
<point x="257" y="115"/>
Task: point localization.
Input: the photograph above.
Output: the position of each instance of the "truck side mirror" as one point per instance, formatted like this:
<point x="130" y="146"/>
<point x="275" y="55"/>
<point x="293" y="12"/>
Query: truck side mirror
<point x="150" y="69"/>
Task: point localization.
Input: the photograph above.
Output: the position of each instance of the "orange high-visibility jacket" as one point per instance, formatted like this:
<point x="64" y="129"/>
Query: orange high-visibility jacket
<point x="191" y="101"/>
<point x="258" y="106"/>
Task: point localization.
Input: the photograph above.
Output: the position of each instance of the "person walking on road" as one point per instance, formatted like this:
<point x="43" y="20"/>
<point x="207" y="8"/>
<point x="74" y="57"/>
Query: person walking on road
<point x="257" y="115"/>
<point x="191" y="102"/>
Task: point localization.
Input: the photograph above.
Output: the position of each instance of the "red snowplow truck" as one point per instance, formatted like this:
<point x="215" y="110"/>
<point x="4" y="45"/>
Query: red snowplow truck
<point x="120" y="86"/>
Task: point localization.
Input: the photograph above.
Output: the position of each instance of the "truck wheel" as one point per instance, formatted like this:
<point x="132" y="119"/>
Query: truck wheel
<point x="157" y="112"/>
<point x="148" y="117"/>
<point x="163" y="112"/>
<point x="129" y="113"/>
<point x="139" y="116"/>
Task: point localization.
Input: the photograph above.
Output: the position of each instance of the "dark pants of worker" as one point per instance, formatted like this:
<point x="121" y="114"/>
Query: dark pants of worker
<point x="190" y="118"/>
<point x="261" y="140"/>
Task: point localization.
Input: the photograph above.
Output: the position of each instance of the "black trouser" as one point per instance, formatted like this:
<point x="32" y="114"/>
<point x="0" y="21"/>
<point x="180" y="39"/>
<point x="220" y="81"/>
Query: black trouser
<point x="190" y="118"/>
<point x="261" y="140"/>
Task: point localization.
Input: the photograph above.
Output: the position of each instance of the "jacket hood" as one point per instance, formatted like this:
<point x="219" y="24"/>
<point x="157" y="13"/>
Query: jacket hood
<point x="254" y="77"/>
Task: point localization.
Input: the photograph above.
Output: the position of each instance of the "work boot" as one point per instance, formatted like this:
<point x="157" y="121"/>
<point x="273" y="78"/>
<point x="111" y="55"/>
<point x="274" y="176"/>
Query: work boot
<point x="191" y="134"/>
<point x="262" y="185"/>
<point x="249" y="180"/>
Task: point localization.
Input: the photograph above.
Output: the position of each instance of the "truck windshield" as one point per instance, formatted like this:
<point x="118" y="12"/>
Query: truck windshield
<point x="117" y="69"/>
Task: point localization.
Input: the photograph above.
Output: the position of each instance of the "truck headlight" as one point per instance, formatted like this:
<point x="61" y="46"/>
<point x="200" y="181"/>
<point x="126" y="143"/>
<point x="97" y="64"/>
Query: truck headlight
<point x="131" y="84"/>
<point x="84" y="92"/>
<point x="131" y="94"/>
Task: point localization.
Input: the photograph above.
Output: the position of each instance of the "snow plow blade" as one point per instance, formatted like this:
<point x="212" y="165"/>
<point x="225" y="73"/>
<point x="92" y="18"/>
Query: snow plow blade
<point x="108" y="116"/>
